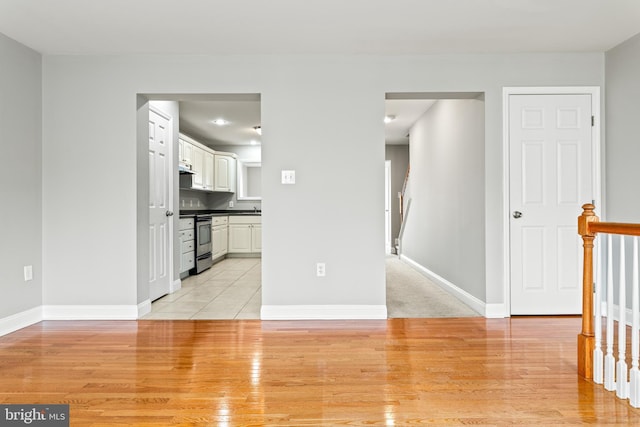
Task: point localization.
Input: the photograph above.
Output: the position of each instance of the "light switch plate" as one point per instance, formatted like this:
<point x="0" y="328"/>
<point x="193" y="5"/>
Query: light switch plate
<point x="288" y="177"/>
<point x="28" y="273"/>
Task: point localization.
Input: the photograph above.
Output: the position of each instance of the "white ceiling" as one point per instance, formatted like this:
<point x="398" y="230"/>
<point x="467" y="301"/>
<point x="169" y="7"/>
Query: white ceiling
<point x="242" y="115"/>
<point x="318" y="26"/>
<point x="98" y="27"/>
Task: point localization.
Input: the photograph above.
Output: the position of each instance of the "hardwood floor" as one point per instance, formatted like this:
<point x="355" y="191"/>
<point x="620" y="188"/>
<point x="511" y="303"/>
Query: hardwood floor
<point x="397" y="372"/>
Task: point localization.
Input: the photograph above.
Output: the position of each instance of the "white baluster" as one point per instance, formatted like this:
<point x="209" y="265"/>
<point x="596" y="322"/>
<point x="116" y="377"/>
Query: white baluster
<point x="597" y="309"/>
<point x="622" y="386"/>
<point x="609" y="360"/>
<point x="634" y="386"/>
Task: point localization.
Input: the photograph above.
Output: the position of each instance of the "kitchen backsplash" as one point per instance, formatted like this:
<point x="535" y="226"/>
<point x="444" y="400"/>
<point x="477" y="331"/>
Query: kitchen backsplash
<point x="198" y="200"/>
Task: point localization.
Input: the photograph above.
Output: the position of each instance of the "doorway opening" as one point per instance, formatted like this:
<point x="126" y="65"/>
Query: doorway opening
<point x="216" y="174"/>
<point x="435" y="144"/>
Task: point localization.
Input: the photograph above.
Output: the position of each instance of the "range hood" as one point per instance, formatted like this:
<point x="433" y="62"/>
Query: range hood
<point x="185" y="169"/>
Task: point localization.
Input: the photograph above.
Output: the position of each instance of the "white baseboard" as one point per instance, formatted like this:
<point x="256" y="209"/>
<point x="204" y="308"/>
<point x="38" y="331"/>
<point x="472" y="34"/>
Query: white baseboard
<point x="89" y="312"/>
<point x="144" y="308"/>
<point x="496" y="311"/>
<point x="628" y="315"/>
<point x="175" y="286"/>
<point x="20" y="320"/>
<point x="487" y="310"/>
<point x="323" y="312"/>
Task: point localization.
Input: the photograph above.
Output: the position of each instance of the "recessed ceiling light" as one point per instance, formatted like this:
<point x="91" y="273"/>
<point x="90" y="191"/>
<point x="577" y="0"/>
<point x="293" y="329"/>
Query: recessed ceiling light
<point x="220" y="122"/>
<point x="389" y="118"/>
<point x="258" y="129"/>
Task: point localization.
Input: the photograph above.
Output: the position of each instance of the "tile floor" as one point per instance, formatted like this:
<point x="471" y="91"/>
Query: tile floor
<point x="231" y="289"/>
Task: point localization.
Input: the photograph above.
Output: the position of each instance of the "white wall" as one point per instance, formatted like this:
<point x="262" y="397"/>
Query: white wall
<point x="20" y="178"/>
<point x="334" y="213"/>
<point x="445" y="231"/>
<point x="622" y="144"/>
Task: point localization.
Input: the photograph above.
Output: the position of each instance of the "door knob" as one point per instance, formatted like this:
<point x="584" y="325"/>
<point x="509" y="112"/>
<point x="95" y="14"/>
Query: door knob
<point x="517" y="214"/>
<point x="169" y="213"/>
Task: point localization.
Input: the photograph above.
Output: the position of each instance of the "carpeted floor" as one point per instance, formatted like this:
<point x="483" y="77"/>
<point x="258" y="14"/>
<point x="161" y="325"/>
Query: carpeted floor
<point x="410" y="294"/>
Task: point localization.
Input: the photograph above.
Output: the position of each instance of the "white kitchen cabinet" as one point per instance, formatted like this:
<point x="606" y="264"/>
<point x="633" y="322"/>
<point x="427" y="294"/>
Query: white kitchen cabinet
<point x="245" y="234"/>
<point x="256" y="238"/>
<point x="187" y="244"/>
<point x="219" y="236"/>
<point x="185" y="152"/>
<point x="208" y="183"/>
<point x="198" y="168"/>
<point x="225" y="172"/>
<point x="202" y="169"/>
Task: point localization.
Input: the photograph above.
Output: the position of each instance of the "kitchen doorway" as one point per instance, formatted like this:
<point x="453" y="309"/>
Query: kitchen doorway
<point x="217" y="174"/>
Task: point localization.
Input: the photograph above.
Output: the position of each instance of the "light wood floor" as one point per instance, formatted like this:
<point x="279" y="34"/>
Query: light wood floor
<point x="396" y="372"/>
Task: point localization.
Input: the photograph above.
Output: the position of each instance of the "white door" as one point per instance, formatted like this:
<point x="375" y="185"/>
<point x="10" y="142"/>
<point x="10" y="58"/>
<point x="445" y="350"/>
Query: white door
<point x="551" y="170"/>
<point x="159" y="205"/>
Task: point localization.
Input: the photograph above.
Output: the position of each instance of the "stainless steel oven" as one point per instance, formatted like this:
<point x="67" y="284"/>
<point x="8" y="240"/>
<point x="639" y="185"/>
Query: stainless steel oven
<point x="203" y="243"/>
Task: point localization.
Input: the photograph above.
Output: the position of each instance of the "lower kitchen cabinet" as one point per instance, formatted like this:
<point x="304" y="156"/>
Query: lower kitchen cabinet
<point x="219" y="236"/>
<point x="245" y="234"/>
<point x="187" y="244"/>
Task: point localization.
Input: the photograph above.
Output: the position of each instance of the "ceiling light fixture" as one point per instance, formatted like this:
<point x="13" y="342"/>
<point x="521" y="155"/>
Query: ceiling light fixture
<point x="254" y="142"/>
<point x="220" y="122"/>
<point x="389" y="118"/>
<point x="258" y="130"/>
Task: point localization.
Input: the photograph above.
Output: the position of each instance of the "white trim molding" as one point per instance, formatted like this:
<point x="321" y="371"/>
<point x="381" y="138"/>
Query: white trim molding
<point x="144" y="308"/>
<point x="628" y="319"/>
<point x="90" y="312"/>
<point x="487" y="310"/>
<point x="175" y="286"/>
<point x="597" y="166"/>
<point x="20" y="320"/>
<point x="323" y="312"/>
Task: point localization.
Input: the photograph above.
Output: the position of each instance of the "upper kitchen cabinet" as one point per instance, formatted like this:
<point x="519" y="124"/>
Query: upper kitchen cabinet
<point x="208" y="171"/>
<point x="185" y="153"/>
<point x="202" y="178"/>
<point x="225" y="172"/>
<point x="198" y="168"/>
<point x="204" y="169"/>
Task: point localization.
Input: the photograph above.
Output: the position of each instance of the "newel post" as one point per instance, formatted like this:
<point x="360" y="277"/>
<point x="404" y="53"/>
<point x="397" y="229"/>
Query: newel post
<point x="586" y="339"/>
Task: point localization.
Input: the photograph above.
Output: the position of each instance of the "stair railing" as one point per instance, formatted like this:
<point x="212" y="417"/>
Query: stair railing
<point x="593" y="363"/>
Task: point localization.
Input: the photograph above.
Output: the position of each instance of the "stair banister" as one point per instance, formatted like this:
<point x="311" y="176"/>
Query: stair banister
<point x="586" y="339"/>
<point x="589" y="225"/>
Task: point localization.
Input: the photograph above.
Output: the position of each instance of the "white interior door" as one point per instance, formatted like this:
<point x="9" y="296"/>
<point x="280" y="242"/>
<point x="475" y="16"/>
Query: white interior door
<point x="159" y="205"/>
<point x="550" y="146"/>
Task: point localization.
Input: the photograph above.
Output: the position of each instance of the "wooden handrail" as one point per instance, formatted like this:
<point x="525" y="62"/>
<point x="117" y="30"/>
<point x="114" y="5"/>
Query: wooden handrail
<point x="589" y="226"/>
<point x="615" y="228"/>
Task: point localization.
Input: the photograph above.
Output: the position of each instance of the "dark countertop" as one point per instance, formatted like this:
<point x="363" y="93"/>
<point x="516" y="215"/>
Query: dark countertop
<point x="193" y="213"/>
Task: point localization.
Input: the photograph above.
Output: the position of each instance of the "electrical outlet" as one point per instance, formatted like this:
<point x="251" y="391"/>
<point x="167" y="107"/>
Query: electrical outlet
<point x="28" y="273"/>
<point x="321" y="269"/>
<point x="230" y="203"/>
